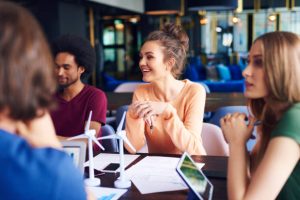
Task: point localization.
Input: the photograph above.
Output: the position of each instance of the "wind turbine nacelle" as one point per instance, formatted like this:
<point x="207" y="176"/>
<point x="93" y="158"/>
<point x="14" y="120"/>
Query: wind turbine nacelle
<point x="122" y="133"/>
<point x="91" y="132"/>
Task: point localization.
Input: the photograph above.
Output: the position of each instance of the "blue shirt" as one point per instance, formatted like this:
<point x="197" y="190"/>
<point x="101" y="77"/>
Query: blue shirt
<point x="36" y="173"/>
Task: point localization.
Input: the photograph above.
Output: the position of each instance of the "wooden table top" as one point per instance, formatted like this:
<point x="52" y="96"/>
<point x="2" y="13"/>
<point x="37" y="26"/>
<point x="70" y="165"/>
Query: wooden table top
<point x="213" y="168"/>
<point x="213" y="100"/>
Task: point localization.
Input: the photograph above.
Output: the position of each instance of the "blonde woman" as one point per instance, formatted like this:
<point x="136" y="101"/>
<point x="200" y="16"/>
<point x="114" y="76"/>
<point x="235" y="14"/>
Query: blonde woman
<point x="167" y="113"/>
<point x="272" y="87"/>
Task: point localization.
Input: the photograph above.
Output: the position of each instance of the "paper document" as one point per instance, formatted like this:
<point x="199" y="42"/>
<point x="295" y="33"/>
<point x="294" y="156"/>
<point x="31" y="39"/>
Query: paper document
<point x="104" y="193"/>
<point x="200" y="165"/>
<point x="104" y="159"/>
<point x="156" y="174"/>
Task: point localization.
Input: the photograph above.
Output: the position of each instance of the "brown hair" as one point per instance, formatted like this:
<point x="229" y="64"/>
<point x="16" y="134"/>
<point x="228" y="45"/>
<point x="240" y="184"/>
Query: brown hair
<point x="26" y="66"/>
<point x="176" y="44"/>
<point x="281" y="62"/>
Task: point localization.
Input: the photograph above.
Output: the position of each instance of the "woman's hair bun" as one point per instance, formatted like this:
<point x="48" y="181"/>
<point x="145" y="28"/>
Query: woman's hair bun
<point x="178" y="33"/>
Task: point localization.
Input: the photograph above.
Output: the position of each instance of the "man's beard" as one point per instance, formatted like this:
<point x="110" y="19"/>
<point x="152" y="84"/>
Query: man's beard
<point x="62" y="87"/>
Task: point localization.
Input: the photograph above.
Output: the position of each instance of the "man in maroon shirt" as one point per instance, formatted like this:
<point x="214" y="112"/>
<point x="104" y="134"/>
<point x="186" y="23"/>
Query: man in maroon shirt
<point x="75" y="58"/>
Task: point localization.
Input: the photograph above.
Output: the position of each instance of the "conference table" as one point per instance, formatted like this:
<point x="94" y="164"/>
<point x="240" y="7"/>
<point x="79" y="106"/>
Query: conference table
<point x="215" y="169"/>
<point x="213" y="100"/>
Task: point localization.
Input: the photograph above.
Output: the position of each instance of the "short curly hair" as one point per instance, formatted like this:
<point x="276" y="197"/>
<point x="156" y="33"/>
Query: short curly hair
<point x="81" y="48"/>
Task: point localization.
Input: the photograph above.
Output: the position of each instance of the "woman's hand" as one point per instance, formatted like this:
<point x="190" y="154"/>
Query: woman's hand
<point x="39" y="132"/>
<point x="235" y="129"/>
<point x="147" y="109"/>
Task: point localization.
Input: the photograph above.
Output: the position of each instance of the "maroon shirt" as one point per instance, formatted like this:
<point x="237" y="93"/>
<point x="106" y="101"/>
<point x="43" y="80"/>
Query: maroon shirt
<point x="70" y="116"/>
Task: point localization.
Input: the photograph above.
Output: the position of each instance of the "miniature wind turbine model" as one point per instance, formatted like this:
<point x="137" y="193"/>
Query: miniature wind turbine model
<point x="90" y="135"/>
<point x="122" y="181"/>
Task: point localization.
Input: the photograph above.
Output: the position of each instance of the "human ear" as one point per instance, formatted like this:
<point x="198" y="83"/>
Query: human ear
<point x="171" y="63"/>
<point x="81" y="69"/>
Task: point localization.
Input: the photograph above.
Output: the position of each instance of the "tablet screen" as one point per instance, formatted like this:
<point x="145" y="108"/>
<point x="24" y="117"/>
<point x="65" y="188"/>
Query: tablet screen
<point x="74" y="152"/>
<point x="194" y="177"/>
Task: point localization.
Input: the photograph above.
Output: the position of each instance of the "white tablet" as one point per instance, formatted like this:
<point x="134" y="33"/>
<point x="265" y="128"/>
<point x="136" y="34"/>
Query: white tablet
<point x="77" y="150"/>
<point x="194" y="178"/>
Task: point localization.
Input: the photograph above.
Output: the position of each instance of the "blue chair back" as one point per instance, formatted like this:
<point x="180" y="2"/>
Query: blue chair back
<point x="207" y="115"/>
<point x="110" y="145"/>
<point x="119" y="115"/>
<point x="221" y="112"/>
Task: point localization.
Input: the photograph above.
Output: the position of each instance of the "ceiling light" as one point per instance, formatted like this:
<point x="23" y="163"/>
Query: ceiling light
<point x="272" y="17"/>
<point x="203" y="20"/>
<point x="218" y="29"/>
<point x="235" y="19"/>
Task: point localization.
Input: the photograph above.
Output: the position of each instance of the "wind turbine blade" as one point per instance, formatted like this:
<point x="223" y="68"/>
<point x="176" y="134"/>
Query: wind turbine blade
<point x="88" y="122"/>
<point x="82" y="136"/>
<point x="120" y="126"/>
<point x="107" y="137"/>
<point x="125" y="139"/>
<point x="97" y="142"/>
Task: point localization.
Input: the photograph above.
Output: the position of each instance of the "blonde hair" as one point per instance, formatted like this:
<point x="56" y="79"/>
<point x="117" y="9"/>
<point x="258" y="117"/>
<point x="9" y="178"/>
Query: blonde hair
<point x="281" y="63"/>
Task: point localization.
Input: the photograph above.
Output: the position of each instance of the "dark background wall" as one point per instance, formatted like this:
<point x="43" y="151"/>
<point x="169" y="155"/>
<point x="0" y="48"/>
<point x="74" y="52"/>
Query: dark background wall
<point x="58" y="18"/>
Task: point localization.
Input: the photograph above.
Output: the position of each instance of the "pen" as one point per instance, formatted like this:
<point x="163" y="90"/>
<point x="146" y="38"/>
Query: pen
<point x="151" y="125"/>
<point x="100" y="174"/>
<point x="256" y="123"/>
<point x="151" y="128"/>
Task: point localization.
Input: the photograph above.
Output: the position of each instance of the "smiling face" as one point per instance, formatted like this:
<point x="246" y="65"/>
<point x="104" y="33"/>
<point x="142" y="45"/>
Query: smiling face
<point x="255" y="78"/>
<point x="67" y="70"/>
<point x="152" y="63"/>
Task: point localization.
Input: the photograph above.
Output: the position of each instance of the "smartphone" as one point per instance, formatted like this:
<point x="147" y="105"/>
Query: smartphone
<point x="112" y="167"/>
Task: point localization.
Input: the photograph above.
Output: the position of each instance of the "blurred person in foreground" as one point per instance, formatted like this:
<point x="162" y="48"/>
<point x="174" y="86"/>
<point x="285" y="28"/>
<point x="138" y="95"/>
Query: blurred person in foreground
<point x="32" y="164"/>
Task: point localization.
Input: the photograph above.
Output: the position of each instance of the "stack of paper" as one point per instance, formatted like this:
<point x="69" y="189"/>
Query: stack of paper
<point x="156" y="174"/>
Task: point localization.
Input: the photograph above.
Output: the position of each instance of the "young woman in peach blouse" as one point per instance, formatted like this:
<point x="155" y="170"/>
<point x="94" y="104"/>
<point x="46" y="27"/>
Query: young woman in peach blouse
<point x="167" y="113"/>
